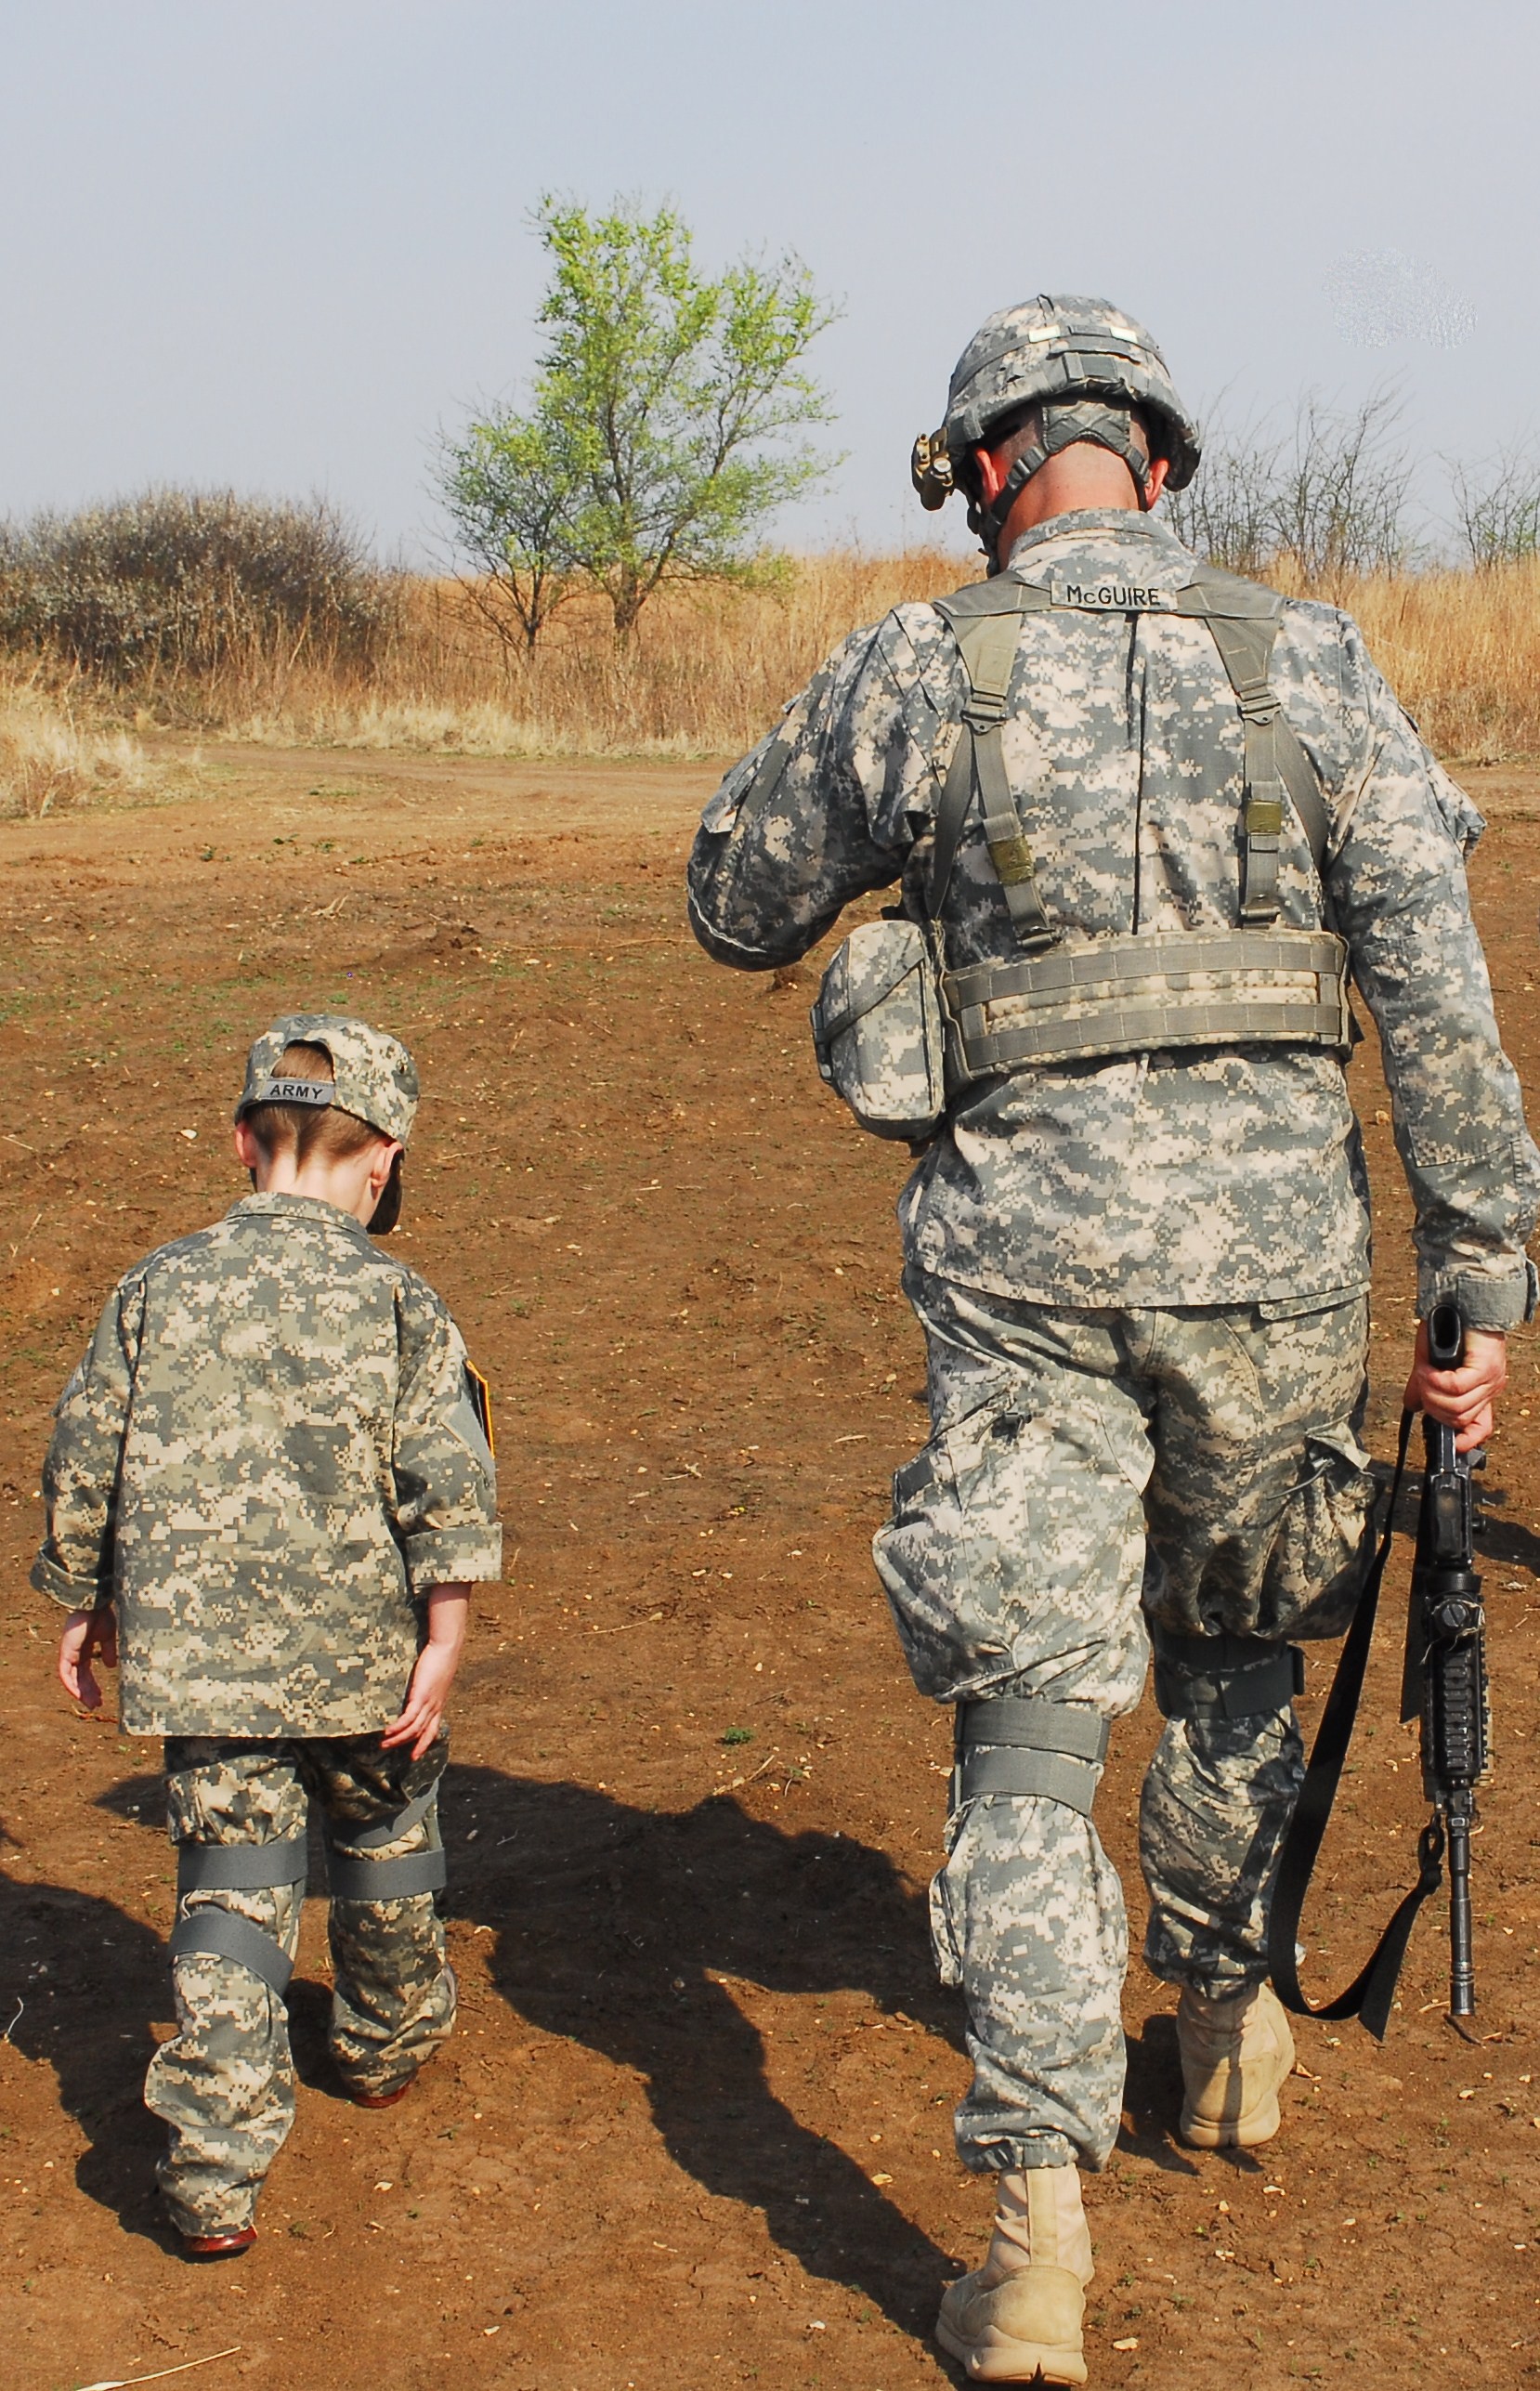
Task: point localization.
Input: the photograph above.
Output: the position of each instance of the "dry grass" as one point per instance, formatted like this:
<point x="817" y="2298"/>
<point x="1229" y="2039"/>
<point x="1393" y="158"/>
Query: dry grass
<point x="50" y="761"/>
<point x="1462" y="651"/>
<point x="706" y="675"/>
<point x="707" y="671"/>
<point x="710" y="669"/>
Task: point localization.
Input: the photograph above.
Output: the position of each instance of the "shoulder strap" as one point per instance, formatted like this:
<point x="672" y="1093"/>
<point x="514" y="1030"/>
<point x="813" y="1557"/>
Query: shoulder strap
<point x="1243" y="617"/>
<point x="984" y="619"/>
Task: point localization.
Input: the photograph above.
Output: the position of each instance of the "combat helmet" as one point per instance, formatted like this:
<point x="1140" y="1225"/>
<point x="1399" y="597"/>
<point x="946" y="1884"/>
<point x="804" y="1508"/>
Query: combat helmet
<point x="1083" y="365"/>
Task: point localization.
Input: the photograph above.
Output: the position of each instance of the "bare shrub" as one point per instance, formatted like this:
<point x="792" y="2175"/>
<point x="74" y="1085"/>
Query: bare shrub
<point x="1229" y="512"/>
<point x="1497" y="507"/>
<point x="1339" y="502"/>
<point x="1328" y="494"/>
<point x="178" y="590"/>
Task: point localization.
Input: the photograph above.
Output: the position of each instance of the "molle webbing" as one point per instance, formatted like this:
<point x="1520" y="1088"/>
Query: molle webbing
<point x="1224" y="1677"/>
<point x="1010" y="1745"/>
<point x="1139" y="995"/>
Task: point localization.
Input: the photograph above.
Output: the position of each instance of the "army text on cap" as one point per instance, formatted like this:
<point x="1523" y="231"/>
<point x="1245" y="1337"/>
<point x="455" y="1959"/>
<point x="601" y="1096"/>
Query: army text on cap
<point x="294" y="1092"/>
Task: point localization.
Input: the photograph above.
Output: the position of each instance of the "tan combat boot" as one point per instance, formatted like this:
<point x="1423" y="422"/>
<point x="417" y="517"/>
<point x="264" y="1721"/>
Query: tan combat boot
<point x="1018" y="2318"/>
<point x="1235" y="2055"/>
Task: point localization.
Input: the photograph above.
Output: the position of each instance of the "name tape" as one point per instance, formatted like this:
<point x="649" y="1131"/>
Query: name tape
<point x="1113" y="597"/>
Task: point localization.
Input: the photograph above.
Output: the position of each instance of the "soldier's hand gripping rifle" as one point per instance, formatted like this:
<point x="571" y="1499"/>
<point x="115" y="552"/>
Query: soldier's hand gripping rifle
<point x="1444" y="1684"/>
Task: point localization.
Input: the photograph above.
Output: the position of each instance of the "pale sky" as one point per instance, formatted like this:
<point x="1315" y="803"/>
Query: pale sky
<point x="278" y="243"/>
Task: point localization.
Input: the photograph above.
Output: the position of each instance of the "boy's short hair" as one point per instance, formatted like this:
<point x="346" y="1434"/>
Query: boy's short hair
<point x="308" y="1130"/>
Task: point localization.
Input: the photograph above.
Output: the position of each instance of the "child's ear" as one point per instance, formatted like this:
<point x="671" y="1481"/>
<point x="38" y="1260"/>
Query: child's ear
<point x="387" y="1211"/>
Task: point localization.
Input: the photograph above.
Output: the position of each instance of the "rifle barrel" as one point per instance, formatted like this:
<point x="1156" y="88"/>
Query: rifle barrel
<point x="1462" y="1967"/>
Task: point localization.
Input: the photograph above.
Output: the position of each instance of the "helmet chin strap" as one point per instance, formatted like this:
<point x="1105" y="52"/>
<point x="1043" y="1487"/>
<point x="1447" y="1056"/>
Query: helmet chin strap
<point x="1106" y="427"/>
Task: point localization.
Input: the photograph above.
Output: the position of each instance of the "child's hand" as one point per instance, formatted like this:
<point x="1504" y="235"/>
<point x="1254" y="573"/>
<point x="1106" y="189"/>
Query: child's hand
<point x="87" y="1634"/>
<point x="421" y="1716"/>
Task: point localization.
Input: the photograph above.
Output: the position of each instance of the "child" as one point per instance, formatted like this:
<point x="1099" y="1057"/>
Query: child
<point x="268" y="1487"/>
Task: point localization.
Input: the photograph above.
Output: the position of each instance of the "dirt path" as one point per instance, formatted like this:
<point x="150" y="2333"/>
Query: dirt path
<point x="696" y="2127"/>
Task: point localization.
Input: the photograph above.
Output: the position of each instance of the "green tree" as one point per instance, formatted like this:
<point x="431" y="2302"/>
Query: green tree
<point x="508" y="490"/>
<point x="663" y="426"/>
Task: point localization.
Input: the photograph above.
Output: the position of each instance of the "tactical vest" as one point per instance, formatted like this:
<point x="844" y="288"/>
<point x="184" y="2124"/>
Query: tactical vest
<point x="900" y="1034"/>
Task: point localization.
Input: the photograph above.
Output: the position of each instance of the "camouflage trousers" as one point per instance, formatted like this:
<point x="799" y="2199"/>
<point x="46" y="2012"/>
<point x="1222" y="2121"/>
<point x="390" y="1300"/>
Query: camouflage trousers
<point x="225" y="2082"/>
<point x="1089" y="1472"/>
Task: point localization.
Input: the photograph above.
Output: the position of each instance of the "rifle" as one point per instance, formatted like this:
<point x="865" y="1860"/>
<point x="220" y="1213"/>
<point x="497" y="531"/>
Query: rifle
<point x="1443" y="1681"/>
<point x="1444" y="1685"/>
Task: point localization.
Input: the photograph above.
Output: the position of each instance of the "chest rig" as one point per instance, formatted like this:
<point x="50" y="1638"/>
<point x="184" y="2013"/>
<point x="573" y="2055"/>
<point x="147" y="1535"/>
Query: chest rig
<point x="1258" y="983"/>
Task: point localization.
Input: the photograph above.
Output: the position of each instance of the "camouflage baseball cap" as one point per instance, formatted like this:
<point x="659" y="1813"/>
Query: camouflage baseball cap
<point x="374" y="1078"/>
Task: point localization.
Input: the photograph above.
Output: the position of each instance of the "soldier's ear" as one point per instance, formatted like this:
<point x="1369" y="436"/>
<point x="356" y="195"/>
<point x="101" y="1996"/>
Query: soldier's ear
<point x="991" y="474"/>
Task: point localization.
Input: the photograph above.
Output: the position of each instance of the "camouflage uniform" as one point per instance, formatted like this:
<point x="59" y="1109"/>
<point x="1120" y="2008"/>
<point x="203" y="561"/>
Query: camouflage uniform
<point x="1143" y="1279"/>
<point x="225" y="2083"/>
<point x="271" y="1452"/>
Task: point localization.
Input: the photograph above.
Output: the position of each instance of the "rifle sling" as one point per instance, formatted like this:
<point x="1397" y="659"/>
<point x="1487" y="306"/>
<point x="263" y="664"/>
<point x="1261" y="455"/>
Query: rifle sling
<point x="1370" y="1994"/>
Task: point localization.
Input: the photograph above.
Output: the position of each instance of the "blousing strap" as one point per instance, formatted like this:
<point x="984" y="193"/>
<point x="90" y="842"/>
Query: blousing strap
<point x="357" y="1875"/>
<point x="1006" y="1745"/>
<point x="353" y="1876"/>
<point x="241" y="1867"/>
<point x="1223" y="1676"/>
<point x="223" y="1935"/>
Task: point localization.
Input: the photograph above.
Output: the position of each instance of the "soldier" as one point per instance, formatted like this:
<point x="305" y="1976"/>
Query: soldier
<point x="1147" y="820"/>
<point x="269" y="1489"/>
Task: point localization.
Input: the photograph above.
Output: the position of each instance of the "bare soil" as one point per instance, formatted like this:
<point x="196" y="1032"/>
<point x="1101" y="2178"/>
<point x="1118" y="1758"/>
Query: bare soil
<point x="696" y="2127"/>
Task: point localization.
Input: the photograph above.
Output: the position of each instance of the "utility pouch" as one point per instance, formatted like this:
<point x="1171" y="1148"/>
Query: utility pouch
<point x="876" y="1030"/>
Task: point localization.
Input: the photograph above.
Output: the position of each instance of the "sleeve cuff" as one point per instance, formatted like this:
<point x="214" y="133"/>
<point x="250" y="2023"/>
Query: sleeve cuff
<point x="74" y="1593"/>
<point x="450" y="1556"/>
<point x="1493" y="1303"/>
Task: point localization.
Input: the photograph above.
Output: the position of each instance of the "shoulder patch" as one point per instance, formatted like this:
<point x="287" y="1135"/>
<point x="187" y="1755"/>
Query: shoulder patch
<point x="481" y="1403"/>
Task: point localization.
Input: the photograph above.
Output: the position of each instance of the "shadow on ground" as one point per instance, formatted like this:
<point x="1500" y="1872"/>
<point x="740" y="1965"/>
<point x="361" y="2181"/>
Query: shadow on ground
<point x="81" y="1982"/>
<point x="611" y="1924"/>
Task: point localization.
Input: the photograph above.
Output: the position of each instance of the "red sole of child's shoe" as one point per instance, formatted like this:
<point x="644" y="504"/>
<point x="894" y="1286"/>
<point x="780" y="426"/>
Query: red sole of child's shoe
<point x="218" y="2245"/>
<point x="382" y="2100"/>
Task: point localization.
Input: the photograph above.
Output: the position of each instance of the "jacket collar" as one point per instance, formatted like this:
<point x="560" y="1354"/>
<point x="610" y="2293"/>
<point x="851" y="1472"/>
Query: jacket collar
<point x="275" y="1207"/>
<point x="1097" y="525"/>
